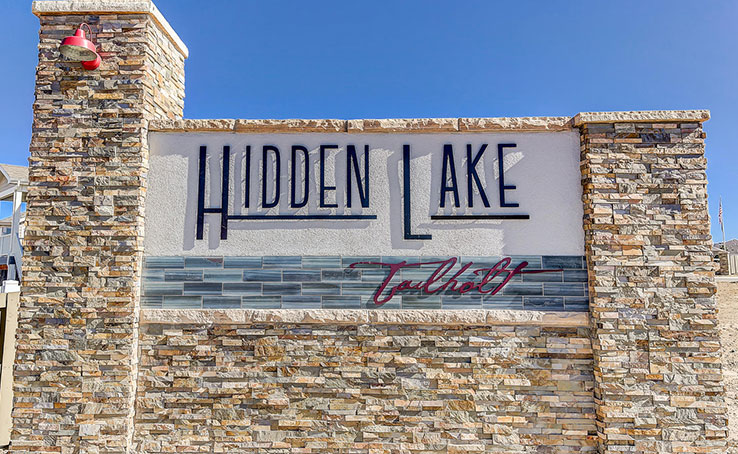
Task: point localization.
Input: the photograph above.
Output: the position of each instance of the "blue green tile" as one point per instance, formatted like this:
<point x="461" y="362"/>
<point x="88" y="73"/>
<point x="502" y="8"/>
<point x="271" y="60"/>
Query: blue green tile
<point x="241" y="288"/>
<point x="203" y="262"/>
<point x="367" y="302"/>
<point x="575" y="276"/>
<point x="543" y="303"/>
<point x="153" y="276"/>
<point x="221" y="302"/>
<point x="346" y="261"/>
<point x="523" y="289"/>
<point x="281" y="289"/>
<point x="320" y="288"/>
<point x="319" y="262"/>
<point x="576" y="303"/>
<point x="182" y="302"/>
<point x="341" y="302"/>
<point x="534" y="261"/>
<point x="434" y="258"/>
<point x="497" y="280"/>
<point x="230" y="275"/>
<point x="203" y="288"/>
<point x="374" y="274"/>
<point x="413" y="292"/>
<point x="301" y="276"/>
<point x="164" y="262"/>
<point x="280" y="261"/>
<point x="421" y="302"/>
<point x="480" y="261"/>
<point x="151" y="301"/>
<point x="422" y="273"/>
<point x="242" y="262"/>
<point x="301" y="302"/>
<point x="502" y="302"/>
<point x="561" y="289"/>
<point x="183" y="275"/>
<point x="553" y="276"/>
<point x="502" y="276"/>
<point x="162" y="288"/>
<point x="342" y="274"/>
<point x="261" y="302"/>
<point x="358" y="288"/>
<point x="400" y="258"/>
<point x="563" y="262"/>
<point x="262" y="275"/>
<point x="467" y="301"/>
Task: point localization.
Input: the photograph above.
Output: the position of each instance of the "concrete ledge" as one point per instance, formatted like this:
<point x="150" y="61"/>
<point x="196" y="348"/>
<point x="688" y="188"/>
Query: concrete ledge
<point x="515" y="124"/>
<point x="428" y="125"/>
<point x="644" y="116"/>
<point x="387" y="125"/>
<point x="98" y="7"/>
<point x="296" y="125"/>
<point x="405" y="125"/>
<point x="361" y="317"/>
<point x="211" y="125"/>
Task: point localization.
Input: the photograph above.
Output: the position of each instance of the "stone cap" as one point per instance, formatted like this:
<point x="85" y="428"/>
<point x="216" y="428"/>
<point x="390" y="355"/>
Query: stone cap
<point x="99" y="7"/>
<point x="643" y="116"/>
<point x="427" y="125"/>
<point x="466" y="317"/>
<point x="387" y="125"/>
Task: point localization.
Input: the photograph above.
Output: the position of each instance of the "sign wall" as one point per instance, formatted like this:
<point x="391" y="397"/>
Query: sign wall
<point x="365" y="220"/>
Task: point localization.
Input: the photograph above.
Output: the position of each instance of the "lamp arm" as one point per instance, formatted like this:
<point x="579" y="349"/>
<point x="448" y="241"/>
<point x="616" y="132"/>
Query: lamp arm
<point x="89" y="30"/>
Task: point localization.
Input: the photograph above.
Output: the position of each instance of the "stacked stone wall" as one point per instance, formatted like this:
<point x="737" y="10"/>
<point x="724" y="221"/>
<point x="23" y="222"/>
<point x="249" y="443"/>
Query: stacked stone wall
<point x="363" y="388"/>
<point x="647" y="229"/>
<point x="77" y="338"/>
<point x="165" y="77"/>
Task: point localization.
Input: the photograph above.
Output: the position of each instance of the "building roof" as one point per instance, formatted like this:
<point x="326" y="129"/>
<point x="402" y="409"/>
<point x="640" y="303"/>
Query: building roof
<point x="13" y="179"/>
<point x="8" y="221"/>
<point x="13" y="174"/>
<point x="730" y="246"/>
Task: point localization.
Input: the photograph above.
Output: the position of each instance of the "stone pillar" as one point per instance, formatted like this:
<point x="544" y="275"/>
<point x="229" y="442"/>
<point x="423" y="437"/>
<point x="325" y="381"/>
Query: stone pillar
<point x="76" y="361"/>
<point x="658" y="379"/>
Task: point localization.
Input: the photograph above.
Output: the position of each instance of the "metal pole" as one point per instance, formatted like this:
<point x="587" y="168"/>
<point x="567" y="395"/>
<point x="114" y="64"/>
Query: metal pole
<point x="725" y="245"/>
<point x="15" y="222"/>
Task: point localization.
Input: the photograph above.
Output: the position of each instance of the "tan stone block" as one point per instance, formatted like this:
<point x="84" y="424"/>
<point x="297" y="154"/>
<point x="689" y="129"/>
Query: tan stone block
<point x="292" y="125"/>
<point x="405" y="125"/>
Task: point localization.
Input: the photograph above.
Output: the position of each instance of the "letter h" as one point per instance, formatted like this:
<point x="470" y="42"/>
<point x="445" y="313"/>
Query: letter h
<point x="223" y="210"/>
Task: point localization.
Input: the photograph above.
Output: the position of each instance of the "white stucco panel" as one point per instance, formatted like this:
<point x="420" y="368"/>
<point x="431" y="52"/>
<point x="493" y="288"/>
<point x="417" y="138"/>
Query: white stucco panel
<point x="543" y="167"/>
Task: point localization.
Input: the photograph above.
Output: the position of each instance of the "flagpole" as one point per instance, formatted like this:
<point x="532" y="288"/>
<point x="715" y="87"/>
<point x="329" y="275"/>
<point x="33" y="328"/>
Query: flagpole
<point x="722" y="227"/>
<point x="725" y="245"/>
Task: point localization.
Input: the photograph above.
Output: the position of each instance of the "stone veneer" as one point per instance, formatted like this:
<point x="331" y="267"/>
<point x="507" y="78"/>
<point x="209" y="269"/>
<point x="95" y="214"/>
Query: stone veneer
<point x="641" y="375"/>
<point x="464" y="383"/>
<point x="652" y="284"/>
<point x="77" y="340"/>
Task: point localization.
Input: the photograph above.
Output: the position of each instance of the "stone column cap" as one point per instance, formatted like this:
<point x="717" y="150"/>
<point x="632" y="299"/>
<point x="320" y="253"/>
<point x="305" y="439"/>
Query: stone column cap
<point x="642" y="116"/>
<point x="99" y="7"/>
<point x="382" y="125"/>
<point x="427" y="125"/>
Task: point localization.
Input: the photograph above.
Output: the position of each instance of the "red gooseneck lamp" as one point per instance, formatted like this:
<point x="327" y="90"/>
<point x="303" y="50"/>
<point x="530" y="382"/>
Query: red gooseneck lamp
<point x="79" y="48"/>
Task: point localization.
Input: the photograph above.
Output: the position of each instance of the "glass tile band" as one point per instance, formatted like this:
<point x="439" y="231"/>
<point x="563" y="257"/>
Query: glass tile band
<point x="327" y="282"/>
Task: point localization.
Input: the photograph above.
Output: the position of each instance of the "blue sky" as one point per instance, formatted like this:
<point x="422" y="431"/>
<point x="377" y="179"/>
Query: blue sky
<point x="345" y="59"/>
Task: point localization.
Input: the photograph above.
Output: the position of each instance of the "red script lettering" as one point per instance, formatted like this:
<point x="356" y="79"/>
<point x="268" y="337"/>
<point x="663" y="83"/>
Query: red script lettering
<point x="437" y="281"/>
